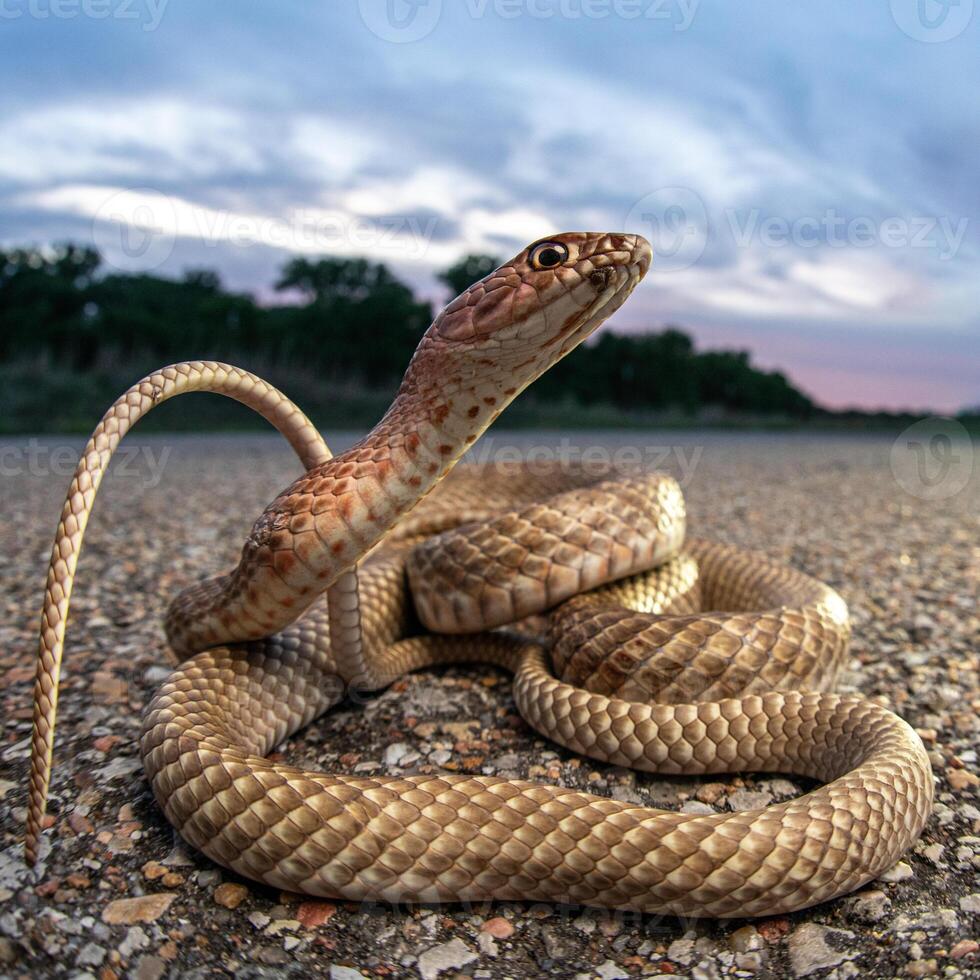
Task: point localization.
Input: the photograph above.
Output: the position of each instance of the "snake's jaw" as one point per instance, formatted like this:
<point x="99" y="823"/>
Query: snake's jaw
<point x="613" y="283"/>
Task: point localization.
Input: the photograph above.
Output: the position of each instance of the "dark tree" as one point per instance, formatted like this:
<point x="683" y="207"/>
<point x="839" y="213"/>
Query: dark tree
<point x="350" y="322"/>
<point x="468" y="270"/>
<point x="45" y="296"/>
<point x="359" y="320"/>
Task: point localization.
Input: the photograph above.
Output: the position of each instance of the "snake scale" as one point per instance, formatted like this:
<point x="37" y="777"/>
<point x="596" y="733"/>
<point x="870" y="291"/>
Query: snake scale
<point x="628" y="644"/>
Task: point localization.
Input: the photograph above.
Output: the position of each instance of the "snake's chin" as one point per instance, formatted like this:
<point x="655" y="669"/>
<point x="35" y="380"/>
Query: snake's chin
<point x="596" y="312"/>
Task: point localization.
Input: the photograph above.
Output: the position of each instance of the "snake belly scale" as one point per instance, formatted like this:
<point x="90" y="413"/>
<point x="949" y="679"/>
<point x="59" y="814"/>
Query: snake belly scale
<point x="629" y="643"/>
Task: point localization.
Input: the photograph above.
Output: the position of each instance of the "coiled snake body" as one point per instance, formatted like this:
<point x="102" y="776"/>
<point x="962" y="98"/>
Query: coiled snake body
<point x="645" y="677"/>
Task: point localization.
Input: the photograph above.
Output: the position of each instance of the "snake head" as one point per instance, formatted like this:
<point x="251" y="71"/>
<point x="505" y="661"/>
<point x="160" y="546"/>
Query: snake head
<point x="534" y="309"/>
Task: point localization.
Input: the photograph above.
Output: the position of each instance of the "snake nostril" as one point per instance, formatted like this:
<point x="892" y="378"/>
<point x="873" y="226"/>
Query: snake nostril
<point x="600" y="277"/>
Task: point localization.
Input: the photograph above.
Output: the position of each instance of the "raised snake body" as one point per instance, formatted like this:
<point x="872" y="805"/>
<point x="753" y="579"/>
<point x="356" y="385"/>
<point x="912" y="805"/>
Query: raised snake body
<point x="598" y="577"/>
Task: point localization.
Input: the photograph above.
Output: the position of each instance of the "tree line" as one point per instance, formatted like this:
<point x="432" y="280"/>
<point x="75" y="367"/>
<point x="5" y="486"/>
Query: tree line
<point x="350" y="321"/>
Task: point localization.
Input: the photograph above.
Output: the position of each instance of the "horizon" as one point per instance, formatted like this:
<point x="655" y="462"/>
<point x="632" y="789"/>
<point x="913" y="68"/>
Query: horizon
<point x="815" y="206"/>
<point x="271" y="298"/>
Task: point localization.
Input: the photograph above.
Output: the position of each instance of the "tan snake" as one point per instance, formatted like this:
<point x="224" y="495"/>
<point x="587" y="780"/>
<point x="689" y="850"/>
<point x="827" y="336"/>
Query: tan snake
<point x="646" y="678"/>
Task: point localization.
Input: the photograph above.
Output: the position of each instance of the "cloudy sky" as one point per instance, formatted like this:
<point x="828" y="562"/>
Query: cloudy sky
<point x="808" y="175"/>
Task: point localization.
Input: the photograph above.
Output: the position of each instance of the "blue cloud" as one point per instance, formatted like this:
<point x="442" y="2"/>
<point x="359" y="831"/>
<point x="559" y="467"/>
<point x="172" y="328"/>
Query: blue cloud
<point x="827" y="157"/>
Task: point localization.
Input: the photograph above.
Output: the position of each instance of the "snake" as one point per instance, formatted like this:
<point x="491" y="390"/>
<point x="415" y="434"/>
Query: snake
<point x="630" y="643"/>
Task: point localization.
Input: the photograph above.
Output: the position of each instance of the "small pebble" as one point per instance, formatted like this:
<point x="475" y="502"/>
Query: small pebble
<point x="965" y="947"/>
<point x="611" y="971"/>
<point x="230" y="894"/>
<point x="746" y="939"/>
<point x="869" y="906"/>
<point x="814" y="947"/>
<point x="711" y="792"/>
<point x="453" y="955"/>
<point x="498" y="927"/>
<point x="744" y="799"/>
<point x="898" y="872"/>
<point x="962" y="779"/>
<point x="90" y="955"/>
<point x="136" y="939"/>
<point x="695" y="806"/>
<point x="278" y="926"/>
<point x="921" y="968"/>
<point x="971" y="903"/>
<point x="345" y="973"/>
<point x="259" y="920"/>
<point x="146" y="908"/>
<point x="150" y="968"/>
<point x="314" y="914"/>
<point x="9" y="952"/>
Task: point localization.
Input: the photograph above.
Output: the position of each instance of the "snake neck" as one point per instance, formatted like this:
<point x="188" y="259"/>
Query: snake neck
<point x="433" y="420"/>
<point x="333" y="515"/>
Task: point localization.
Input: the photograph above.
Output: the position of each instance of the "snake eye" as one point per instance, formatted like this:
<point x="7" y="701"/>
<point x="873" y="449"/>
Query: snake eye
<point x="547" y="255"/>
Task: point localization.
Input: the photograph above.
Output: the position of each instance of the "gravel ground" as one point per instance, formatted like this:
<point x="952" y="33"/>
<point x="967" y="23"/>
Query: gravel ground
<point x="117" y="895"/>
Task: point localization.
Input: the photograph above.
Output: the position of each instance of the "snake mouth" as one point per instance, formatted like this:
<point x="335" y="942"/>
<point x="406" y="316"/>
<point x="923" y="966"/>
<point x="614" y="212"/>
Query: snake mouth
<point x="580" y="326"/>
<point x="611" y="289"/>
